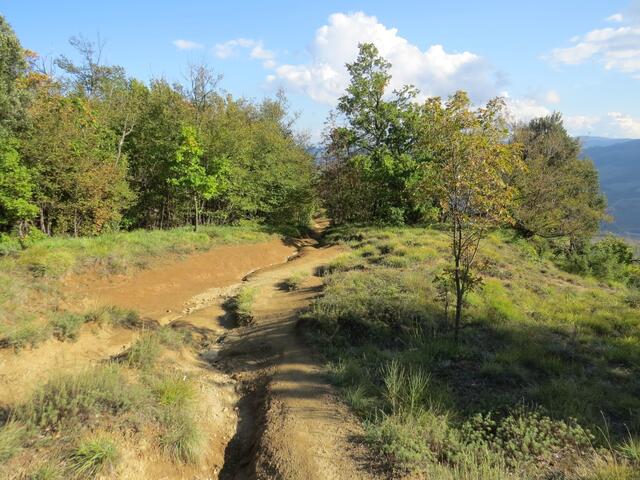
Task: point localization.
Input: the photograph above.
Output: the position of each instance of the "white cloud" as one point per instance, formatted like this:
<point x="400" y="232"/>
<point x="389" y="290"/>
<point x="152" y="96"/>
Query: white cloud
<point x="581" y="124"/>
<point x="626" y="124"/>
<point x="434" y="71"/>
<point x="524" y="109"/>
<point x="551" y="97"/>
<point x="187" y="44"/>
<point x="615" y="48"/>
<point x="256" y="50"/>
<point x="616" y="17"/>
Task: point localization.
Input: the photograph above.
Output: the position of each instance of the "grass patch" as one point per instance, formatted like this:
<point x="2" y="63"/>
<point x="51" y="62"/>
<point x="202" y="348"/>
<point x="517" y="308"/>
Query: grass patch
<point x="182" y="438"/>
<point x="47" y="471"/>
<point x="174" y="391"/>
<point x="240" y="305"/>
<point x="295" y="281"/>
<point x="118" y="252"/>
<point x="145" y="351"/>
<point x="68" y="400"/>
<point x="12" y="436"/>
<point x="66" y="326"/>
<point x="114" y="316"/>
<point x="93" y="456"/>
<point x="27" y="332"/>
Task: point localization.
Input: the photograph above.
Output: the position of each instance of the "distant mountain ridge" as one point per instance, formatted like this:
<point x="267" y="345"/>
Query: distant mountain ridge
<point x="618" y="163"/>
<point x="590" y="142"/>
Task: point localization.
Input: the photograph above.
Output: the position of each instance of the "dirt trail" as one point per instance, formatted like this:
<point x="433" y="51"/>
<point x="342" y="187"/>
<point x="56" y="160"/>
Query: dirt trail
<point x="160" y="293"/>
<point x="291" y="425"/>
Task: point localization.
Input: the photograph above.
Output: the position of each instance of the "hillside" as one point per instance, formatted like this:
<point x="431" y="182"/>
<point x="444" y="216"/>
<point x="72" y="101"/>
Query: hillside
<point x="540" y="386"/>
<point x="619" y="168"/>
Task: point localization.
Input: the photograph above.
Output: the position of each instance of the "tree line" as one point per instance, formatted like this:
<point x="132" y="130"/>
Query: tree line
<point x="85" y="149"/>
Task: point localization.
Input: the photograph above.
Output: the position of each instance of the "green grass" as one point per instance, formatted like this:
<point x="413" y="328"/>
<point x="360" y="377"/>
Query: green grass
<point x="12" y="436"/>
<point x="66" y="326"/>
<point x="24" y="332"/>
<point x="67" y="400"/>
<point x="240" y="306"/>
<point x="295" y="281"/>
<point x="544" y="383"/>
<point x="46" y="471"/>
<point x="92" y="456"/>
<point x="145" y="351"/>
<point x="182" y="439"/>
<point x="174" y="391"/>
<point x="121" y="251"/>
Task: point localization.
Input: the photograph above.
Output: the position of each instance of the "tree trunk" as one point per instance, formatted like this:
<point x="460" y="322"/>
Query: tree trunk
<point x="195" y="203"/>
<point x="43" y="226"/>
<point x="458" y="319"/>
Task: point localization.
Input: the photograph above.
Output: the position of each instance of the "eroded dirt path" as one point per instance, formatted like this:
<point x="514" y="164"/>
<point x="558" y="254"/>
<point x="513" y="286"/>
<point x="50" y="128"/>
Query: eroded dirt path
<point x="291" y="423"/>
<point x="162" y="293"/>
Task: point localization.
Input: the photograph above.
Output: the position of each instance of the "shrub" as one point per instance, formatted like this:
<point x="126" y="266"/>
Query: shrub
<point x="607" y="259"/>
<point x="92" y="456"/>
<point x="528" y="436"/>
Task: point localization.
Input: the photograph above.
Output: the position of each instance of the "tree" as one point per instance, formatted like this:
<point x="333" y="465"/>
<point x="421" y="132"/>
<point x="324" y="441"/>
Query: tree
<point x="89" y="77"/>
<point x="80" y="188"/>
<point x="16" y="189"/>
<point x="190" y="175"/>
<point x="13" y="66"/>
<point x="377" y="139"/>
<point x="467" y="176"/>
<point x="558" y="193"/>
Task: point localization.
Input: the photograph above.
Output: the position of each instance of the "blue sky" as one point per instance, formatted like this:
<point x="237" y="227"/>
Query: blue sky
<point x="578" y="57"/>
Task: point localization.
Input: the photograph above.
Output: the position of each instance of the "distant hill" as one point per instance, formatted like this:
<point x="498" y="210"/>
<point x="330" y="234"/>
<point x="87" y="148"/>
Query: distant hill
<point x="589" y="142"/>
<point x="619" y="166"/>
